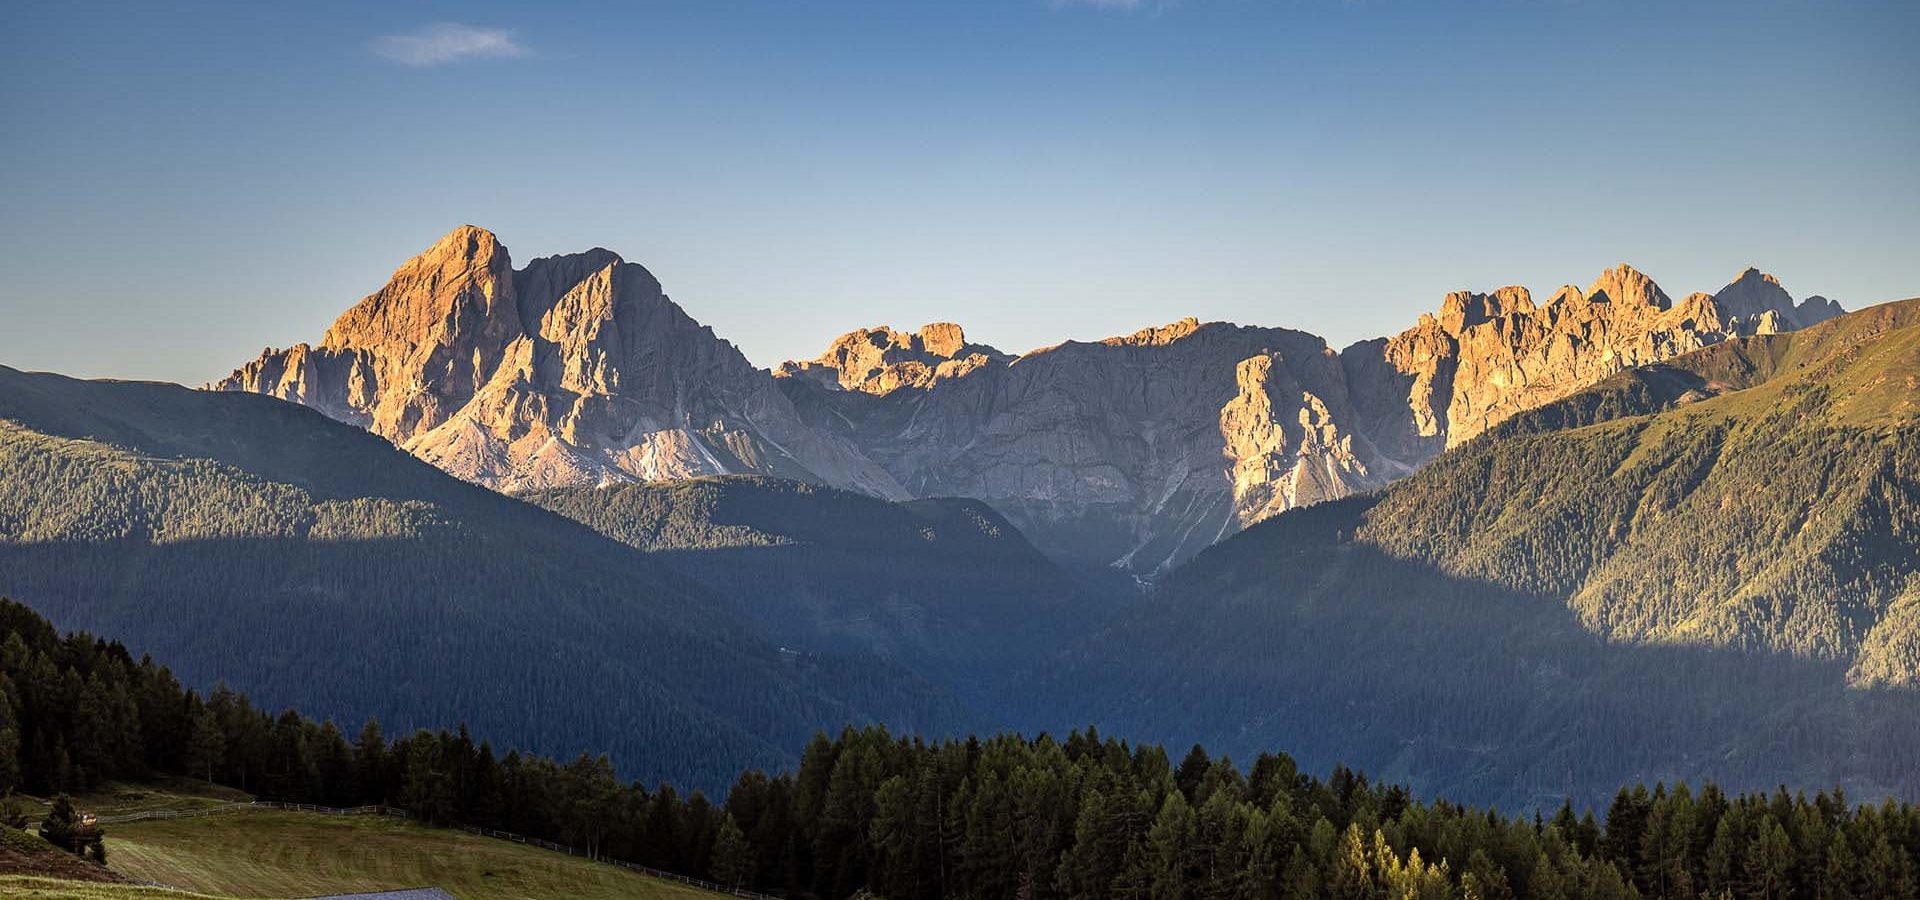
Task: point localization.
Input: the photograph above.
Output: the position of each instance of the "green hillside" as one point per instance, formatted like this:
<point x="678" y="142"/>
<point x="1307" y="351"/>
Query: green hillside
<point x="1700" y="570"/>
<point x="255" y="541"/>
<point x="1781" y="512"/>
<point x="946" y="588"/>
<point x="265" y="853"/>
<point x="294" y="854"/>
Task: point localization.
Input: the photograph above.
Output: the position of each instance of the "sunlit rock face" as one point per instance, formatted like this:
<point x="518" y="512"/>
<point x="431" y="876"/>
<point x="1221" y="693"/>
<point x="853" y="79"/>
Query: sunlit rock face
<point x="574" y="370"/>
<point x="1136" y="451"/>
<point x="881" y="360"/>
<point x="1140" y="451"/>
<point x="1287" y="446"/>
<point x="1486" y="357"/>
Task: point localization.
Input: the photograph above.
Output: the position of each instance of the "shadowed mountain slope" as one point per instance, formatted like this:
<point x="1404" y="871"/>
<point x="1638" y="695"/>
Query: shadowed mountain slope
<point x="256" y="541"/>
<point x="945" y="588"/>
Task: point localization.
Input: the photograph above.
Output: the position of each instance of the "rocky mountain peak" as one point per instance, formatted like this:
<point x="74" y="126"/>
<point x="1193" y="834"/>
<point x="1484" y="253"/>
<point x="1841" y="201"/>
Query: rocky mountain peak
<point x="942" y="338"/>
<point x="1568" y="294"/>
<point x="1627" y="286"/>
<point x="1464" y="309"/>
<point x="1756" y="303"/>
<point x="1158" y="337"/>
<point x="577" y="369"/>
<point x="456" y="286"/>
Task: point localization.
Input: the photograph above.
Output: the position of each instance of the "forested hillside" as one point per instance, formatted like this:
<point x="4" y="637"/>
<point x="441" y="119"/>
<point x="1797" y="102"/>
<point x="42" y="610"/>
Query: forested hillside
<point x="946" y="588"/>
<point x="1699" y="570"/>
<point x="259" y="542"/>
<point x="1774" y="507"/>
<point x="1085" y="818"/>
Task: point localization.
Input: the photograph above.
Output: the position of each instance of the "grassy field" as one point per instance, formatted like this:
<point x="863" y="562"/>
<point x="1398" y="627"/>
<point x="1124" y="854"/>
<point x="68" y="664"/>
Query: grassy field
<point x="32" y="888"/>
<point x="291" y="854"/>
<point x="115" y="797"/>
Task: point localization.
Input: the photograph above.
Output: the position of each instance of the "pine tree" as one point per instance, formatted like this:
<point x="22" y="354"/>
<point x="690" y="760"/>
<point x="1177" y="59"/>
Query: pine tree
<point x="61" y="827"/>
<point x="1170" y="849"/>
<point x="1301" y="880"/>
<point x="9" y="743"/>
<point x="1768" y="865"/>
<point x="206" y="745"/>
<point x="1841" y="872"/>
<point x="1350" y="875"/>
<point x="370" y="764"/>
<point x="1193" y="770"/>
<point x="732" y="858"/>
<point x="13" y="814"/>
<point x="1483" y="879"/>
<point x="427" y="791"/>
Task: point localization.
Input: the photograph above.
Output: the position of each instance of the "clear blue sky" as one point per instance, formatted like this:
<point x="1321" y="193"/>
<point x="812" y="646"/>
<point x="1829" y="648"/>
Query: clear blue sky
<point x="183" y="184"/>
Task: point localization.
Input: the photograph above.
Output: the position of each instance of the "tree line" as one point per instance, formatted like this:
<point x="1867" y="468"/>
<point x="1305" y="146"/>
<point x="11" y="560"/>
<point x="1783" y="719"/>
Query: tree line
<point x="867" y="812"/>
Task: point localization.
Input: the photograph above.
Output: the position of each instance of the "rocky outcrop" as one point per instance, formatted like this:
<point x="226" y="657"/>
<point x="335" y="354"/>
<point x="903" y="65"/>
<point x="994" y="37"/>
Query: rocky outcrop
<point x="1139" y="451"/>
<point x="574" y="370"/>
<point x="881" y="360"/>
<point x="1286" y="446"/>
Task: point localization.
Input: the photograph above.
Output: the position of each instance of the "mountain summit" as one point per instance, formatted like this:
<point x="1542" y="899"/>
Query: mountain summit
<point x="577" y="369"/>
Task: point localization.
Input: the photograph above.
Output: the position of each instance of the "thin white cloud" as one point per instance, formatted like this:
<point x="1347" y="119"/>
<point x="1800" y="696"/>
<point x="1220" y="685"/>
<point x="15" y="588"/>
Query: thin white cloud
<point x="447" y="42"/>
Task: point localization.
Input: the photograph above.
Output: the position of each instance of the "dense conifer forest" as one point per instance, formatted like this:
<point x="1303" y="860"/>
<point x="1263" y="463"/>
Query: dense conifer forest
<point x="874" y="814"/>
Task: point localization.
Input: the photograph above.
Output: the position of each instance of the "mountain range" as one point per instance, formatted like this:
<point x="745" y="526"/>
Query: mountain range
<point x="1518" y="553"/>
<point x="1135" y="452"/>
